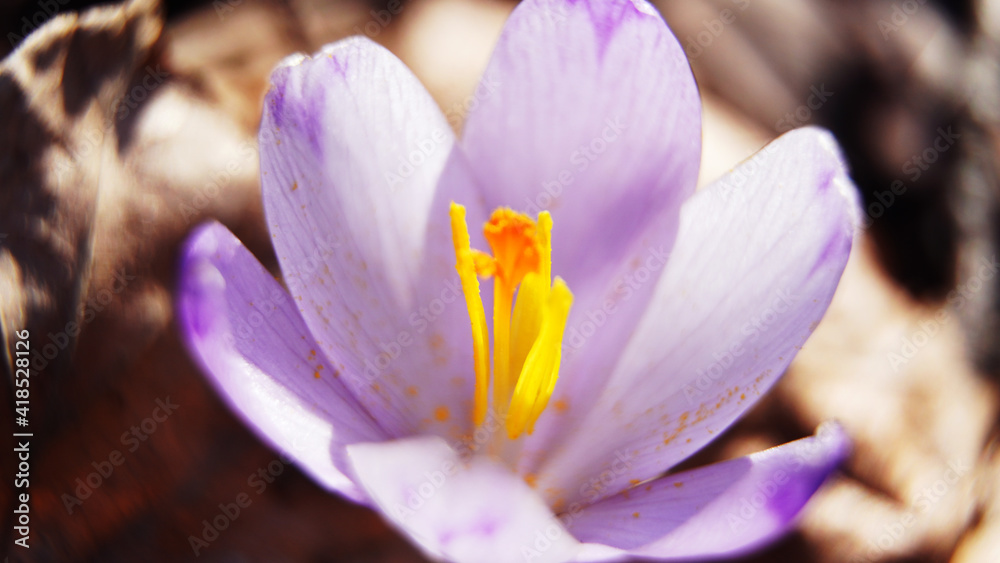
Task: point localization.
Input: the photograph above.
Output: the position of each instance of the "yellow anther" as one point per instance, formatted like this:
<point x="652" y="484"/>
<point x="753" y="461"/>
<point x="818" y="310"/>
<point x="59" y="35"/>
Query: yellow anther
<point x="466" y="266"/>
<point x="527" y="337"/>
<point x="541" y="368"/>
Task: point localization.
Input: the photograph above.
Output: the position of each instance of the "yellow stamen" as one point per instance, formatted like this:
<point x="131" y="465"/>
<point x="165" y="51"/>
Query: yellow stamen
<point x="541" y="368"/>
<point x="466" y="266"/>
<point x="531" y="297"/>
<point x="512" y="237"/>
<point x="527" y="336"/>
<point x="547" y="352"/>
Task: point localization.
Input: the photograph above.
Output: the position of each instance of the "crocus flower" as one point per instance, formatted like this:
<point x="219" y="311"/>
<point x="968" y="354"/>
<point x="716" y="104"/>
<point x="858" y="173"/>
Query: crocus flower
<point x="519" y="392"/>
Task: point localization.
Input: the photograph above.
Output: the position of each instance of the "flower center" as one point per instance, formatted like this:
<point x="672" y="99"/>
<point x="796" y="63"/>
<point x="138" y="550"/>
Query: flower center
<point x="527" y="335"/>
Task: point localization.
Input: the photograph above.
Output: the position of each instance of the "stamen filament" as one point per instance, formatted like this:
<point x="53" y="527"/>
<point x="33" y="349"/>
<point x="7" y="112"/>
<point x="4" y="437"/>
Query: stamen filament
<point x="502" y="297"/>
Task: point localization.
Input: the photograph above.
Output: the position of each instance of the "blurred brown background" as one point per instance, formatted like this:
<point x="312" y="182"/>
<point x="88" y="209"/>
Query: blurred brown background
<point x="126" y="125"/>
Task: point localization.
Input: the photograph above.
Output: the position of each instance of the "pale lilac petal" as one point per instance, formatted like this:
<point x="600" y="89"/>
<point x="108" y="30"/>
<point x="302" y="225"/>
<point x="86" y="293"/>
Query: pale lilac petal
<point x="475" y="512"/>
<point x="589" y="109"/>
<point x="259" y="354"/>
<point x="757" y="260"/>
<point x="352" y="148"/>
<point x="720" y="510"/>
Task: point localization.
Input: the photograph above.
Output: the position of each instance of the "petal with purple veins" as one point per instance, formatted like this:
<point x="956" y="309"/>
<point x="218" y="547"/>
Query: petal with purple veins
<point x="720" y="510"/>
<point x="465" y="512"/>
<point x="259" y="354"/>
<point x="757" y="260"/>
<point x="352" y="151"/>
<point x="589" y="109"/>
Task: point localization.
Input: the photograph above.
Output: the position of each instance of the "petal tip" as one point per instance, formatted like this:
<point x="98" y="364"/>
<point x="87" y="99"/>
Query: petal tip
<point x="294" y="59"/>
<point x="645" y="7"/>
<point x="839" y="178"/>
<point x="832" y="436"/>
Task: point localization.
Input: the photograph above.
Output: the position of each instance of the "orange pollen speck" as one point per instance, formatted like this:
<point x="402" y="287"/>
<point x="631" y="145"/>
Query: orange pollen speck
<point x="441" y="414"/>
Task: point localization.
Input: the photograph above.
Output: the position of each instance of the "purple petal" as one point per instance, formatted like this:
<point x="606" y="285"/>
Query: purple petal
<point x="720" y="510"/>
<point x="463" y="512"/>
<point x="352" y="148"/>
<point x="589" y="109"/>
<point x="260" y="356"/>
<point x="757" y="260"/>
